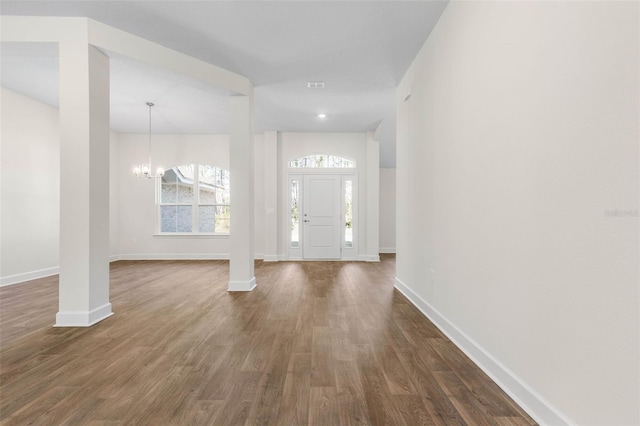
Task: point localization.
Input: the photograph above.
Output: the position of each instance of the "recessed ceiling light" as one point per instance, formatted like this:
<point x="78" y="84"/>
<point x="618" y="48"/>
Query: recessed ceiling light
<point x="322" y="115"/>
<point x="315" y="85"/>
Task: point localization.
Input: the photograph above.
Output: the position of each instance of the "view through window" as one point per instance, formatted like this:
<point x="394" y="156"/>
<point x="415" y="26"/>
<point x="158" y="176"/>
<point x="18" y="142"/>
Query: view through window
<point x="194" y="198"/>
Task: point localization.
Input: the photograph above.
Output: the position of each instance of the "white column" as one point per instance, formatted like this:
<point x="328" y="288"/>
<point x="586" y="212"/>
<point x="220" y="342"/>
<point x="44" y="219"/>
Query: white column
<point x="84" y="184"/>
<point x="373" y="198"/>
<point x="271" y="196"/>
<point x="241" y="271"/>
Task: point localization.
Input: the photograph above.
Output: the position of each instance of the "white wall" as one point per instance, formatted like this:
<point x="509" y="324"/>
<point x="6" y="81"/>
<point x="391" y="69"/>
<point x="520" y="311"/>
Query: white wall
<point x="387" y="210"/>
<point x="520" y="135"/>
<point x="137" y="210"/>
<point x="30" y="142"/>
<point x="137" y="196"/>
<point x="30" y="188"/>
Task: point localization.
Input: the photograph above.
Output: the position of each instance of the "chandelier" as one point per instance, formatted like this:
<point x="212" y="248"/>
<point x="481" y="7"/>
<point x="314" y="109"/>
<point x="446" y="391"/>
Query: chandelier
<point x="144" y="170"/>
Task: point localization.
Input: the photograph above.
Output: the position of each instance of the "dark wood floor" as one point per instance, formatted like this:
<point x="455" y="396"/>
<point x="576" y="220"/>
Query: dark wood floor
<point x="319" y="343"/>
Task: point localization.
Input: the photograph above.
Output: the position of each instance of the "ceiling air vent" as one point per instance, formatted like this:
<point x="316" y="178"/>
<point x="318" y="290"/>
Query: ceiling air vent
<point x="315" y="85"/>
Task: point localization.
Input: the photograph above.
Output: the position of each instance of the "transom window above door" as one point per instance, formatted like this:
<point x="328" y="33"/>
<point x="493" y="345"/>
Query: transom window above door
<point x="194" y="199"/>
<point x="322" y="161"/>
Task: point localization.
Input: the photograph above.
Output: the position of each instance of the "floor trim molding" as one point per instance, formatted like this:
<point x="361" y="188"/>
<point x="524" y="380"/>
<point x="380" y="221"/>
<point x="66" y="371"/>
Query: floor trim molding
<point x="391" y="250"/>
<point x="530" y="401"/>
<point x="28" y="276"/>
<point x="47" y="272"/>
<point x="175" y="256"/>
<point x="369" y="258"/>
<point x="83" y="318"/>
<point x="242" y="285"/>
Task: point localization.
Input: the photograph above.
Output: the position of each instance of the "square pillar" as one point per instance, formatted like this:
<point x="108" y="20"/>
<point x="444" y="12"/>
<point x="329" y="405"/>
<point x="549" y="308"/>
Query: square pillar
<point x="84" y="184"/>
<point x="373" y="199"/>
<point x="271" y="196"/>
<point x="241" y="270"/>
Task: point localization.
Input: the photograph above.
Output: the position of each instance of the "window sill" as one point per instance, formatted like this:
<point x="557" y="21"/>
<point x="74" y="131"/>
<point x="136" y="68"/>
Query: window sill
<point x="187" y="235"/>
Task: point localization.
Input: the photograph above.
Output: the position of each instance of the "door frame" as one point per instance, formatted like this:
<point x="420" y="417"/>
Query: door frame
<point x="297" y="253"/>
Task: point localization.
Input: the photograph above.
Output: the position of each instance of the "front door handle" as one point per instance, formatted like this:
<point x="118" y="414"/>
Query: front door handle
<point x="306" y="220"/>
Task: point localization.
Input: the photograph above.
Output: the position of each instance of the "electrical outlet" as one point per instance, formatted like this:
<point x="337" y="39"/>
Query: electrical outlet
<point x="433" y="276"/>
<point x="134" y="240"/>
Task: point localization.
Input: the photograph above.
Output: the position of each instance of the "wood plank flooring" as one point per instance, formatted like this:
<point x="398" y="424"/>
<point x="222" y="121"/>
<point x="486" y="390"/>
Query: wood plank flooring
<point x="317" y="343"/>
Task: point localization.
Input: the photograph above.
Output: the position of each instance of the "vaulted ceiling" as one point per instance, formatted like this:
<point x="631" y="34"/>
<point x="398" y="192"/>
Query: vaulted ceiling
<point x="360" y="49"/>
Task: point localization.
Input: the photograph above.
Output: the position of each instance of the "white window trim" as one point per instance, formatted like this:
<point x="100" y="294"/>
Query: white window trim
<point x="312" y="171"/>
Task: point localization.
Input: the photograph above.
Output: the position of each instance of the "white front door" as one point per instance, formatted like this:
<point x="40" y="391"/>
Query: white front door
<point x="321" y="216"/>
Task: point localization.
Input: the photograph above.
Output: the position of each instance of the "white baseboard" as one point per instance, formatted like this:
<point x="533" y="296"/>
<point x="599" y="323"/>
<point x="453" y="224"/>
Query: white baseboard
<point x="28" y="276"/>
<point x="32" y="275"/>
<point x="83" y="318"/>
<point x="359" y="258"/>
<point x="369" y="258"/>
<point x="242" y="285"/>
<point x="530" y="401"/>
<point x="186" y="256"/>
<point x="41" y="273"/>
<point x="387" y="250"/>
<point x="174" y="256"/>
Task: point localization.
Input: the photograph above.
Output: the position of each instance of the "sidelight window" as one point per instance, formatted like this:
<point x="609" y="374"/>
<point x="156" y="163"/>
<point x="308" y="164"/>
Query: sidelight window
<point x="348" y="213"/>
